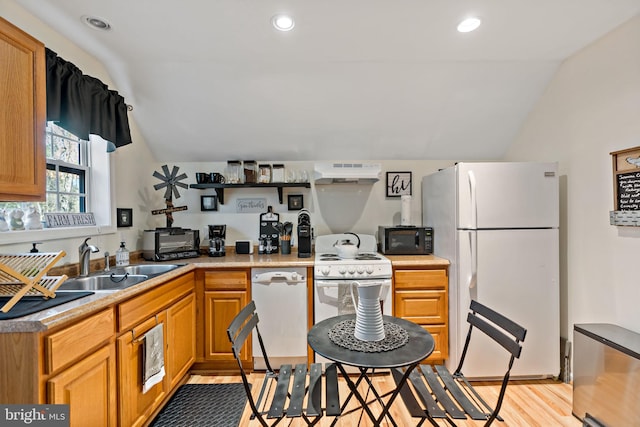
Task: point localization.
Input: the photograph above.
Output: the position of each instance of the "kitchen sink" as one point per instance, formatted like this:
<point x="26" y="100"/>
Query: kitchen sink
<point x="116" y="278"/>
<point x="148" y="269"/>
<point x="102" y="282"/>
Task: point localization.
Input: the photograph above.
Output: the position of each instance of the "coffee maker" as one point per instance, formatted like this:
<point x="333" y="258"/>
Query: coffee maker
<point x="305" y="234"/>
<point x="217" y="234"/>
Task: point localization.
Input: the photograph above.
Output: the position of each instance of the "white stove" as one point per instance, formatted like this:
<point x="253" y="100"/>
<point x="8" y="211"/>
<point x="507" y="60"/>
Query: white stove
<point x="334" y="276"/>
<point x="368" y="264"/>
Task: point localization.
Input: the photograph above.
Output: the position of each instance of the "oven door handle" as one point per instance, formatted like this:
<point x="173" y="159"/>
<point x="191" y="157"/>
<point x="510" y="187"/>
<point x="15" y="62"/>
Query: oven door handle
<point x="336" y="283"/>
<point x="329" y="283"/>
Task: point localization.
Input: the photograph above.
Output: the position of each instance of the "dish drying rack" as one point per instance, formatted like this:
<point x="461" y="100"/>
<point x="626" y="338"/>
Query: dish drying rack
<point x="25" y="274"/>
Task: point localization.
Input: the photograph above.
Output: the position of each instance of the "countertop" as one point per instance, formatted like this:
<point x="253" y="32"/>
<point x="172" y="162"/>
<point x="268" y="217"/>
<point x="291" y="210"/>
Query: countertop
<point x="418" y="261"/>
<point x="73" y="310"/>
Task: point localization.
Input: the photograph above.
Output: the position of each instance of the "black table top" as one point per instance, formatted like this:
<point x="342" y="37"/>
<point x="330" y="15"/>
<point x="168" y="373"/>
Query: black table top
<point x="419" y="346"/>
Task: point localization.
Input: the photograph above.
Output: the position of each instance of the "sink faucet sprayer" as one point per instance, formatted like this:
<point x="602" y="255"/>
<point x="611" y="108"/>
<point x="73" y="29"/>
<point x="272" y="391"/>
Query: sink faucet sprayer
<point x="83" y="252"/>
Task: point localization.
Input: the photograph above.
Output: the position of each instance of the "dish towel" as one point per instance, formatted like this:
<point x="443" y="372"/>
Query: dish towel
<point x="153" y="358"/>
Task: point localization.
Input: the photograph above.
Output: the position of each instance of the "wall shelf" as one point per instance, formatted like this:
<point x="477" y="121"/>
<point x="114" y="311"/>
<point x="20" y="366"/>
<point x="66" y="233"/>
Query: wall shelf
<point x="278" y="185"/>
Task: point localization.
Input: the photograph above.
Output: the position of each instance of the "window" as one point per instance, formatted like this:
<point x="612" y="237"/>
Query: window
<point x="78" y="179"/>
<point x="67" y="171"/>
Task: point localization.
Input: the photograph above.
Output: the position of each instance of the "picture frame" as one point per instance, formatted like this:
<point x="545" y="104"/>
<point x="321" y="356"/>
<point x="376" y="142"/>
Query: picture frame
<point x="124" y="217"/>
<point x="399" y="184"/>
<point x="209" y="203"/>
<point x="295" y="202"/>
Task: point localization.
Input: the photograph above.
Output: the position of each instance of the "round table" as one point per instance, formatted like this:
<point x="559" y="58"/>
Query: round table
<point x="419" y="346"/>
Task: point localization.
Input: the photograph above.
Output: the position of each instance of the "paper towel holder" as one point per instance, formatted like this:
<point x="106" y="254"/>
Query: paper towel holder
<point x="398" y="184"/>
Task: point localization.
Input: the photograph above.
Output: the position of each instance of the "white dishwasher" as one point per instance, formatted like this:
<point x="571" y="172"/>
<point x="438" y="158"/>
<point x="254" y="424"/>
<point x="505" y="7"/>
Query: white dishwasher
<point x="280" y="295"/>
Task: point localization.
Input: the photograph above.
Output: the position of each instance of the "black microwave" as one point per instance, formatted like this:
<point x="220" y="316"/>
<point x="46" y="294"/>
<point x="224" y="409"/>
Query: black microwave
<point x="405" y="240"/>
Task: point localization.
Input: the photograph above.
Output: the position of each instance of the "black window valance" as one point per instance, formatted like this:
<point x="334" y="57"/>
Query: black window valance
<point x="84" y="105"/>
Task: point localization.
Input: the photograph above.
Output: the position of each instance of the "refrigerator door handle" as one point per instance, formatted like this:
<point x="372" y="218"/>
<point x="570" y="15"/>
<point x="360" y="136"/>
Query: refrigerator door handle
<point x="473" y="251"/>
<point x="474" y="203"/>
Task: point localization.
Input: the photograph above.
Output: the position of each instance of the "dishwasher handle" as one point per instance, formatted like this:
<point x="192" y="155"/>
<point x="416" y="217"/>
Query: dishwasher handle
<point x="278" y="277"/>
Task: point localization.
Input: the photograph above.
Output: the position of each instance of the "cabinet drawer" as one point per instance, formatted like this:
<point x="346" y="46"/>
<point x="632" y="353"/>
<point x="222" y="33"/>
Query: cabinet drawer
<point x="226" y="280"/>
<point x="420" y="279"/>
<point x="422" y="307"/>
<point x="139" y="308"/>
<point x="71" y="343"/>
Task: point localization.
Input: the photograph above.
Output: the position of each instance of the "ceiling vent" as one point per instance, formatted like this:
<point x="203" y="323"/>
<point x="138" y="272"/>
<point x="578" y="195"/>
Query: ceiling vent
<point x="347" y="173"/>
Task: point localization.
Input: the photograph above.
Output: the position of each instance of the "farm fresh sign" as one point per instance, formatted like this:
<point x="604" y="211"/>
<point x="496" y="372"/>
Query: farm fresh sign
<point x="59" y="220"/>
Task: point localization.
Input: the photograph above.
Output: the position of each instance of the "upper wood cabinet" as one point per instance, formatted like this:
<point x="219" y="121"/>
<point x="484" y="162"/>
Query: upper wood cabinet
<point x="22" y="115"/>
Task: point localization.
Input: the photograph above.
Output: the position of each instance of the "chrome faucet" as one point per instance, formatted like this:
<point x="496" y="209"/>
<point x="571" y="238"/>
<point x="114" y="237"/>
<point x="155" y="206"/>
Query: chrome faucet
<point x="83" y="252"/>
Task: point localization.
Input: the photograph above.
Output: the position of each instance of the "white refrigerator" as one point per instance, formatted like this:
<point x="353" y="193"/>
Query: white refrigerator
<point x="497" y="223"/>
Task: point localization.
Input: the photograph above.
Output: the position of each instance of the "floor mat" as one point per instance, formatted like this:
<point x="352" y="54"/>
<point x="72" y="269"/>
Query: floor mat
<point x="219" y="405"/>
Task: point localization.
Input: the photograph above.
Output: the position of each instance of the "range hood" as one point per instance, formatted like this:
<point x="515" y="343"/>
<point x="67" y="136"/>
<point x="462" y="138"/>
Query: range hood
<point x="351" y="173"/>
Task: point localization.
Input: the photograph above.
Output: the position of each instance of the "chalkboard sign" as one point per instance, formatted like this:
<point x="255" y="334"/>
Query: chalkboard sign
<point x="629" y="191"/>
<point x="626" y="187"/>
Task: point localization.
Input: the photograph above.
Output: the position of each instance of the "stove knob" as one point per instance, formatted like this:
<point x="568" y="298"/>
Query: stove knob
<point x="352" y="269"/>
<point x="361" y="270"/>
<point x="325" y="271"/>
<point x="342" y="269"/>
<point x="369" y="269"/>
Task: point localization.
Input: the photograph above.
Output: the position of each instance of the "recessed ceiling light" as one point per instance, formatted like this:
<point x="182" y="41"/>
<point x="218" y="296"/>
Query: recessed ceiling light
<point x="283" y="22"/>
<point x="469" y="24"/>
<point x="96" y="23"/>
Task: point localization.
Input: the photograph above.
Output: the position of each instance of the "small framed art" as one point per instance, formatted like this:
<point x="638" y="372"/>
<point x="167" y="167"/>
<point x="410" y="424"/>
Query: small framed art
<point x="398" y="184"/>
<point x="124" y="217"/>
<point x="208" y="203"/>
<point x="295" y="202"/>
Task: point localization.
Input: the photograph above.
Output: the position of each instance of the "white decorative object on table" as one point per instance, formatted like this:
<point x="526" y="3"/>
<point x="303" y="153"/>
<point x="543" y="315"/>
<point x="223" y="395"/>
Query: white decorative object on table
<point x="15" y="220"/>
<point x="33" y="220"/>
<point x="369" y="324"/>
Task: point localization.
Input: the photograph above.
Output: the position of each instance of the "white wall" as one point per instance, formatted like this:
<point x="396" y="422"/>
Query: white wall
<point x="334" y="208"/>
<point x="590" y="109"/>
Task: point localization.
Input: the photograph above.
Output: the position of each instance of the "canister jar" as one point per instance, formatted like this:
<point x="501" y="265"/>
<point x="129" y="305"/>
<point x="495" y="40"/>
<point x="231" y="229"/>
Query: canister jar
<point x="277" y="173"/>
<point x="250" y="171"/>
<point x="264" y="174"/>
<point x="233" y="172"/>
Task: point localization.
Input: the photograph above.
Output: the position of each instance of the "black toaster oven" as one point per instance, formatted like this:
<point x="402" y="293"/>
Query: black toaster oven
<point x="166" y="244"/>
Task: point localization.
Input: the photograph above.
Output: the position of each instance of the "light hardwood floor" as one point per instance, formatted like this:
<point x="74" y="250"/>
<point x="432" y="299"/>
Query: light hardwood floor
<point x="544" y="403"/>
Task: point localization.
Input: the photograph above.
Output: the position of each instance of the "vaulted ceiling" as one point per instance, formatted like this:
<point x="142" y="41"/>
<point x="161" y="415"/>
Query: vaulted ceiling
<point x="354" y="79"/>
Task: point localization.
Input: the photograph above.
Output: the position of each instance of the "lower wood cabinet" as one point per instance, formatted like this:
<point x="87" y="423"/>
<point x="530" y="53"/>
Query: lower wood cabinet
<point x="173" y="306"/>
<point x="95" y="364"/>
<point x="83" y="370"/>
<point x="220" y="309"/>
<point x="223" y="294"/>
<point x="181" y="339"/>
<point x="421" y="296"/>
<point x="136" y="406"/>
<point x="89" y="388"/>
